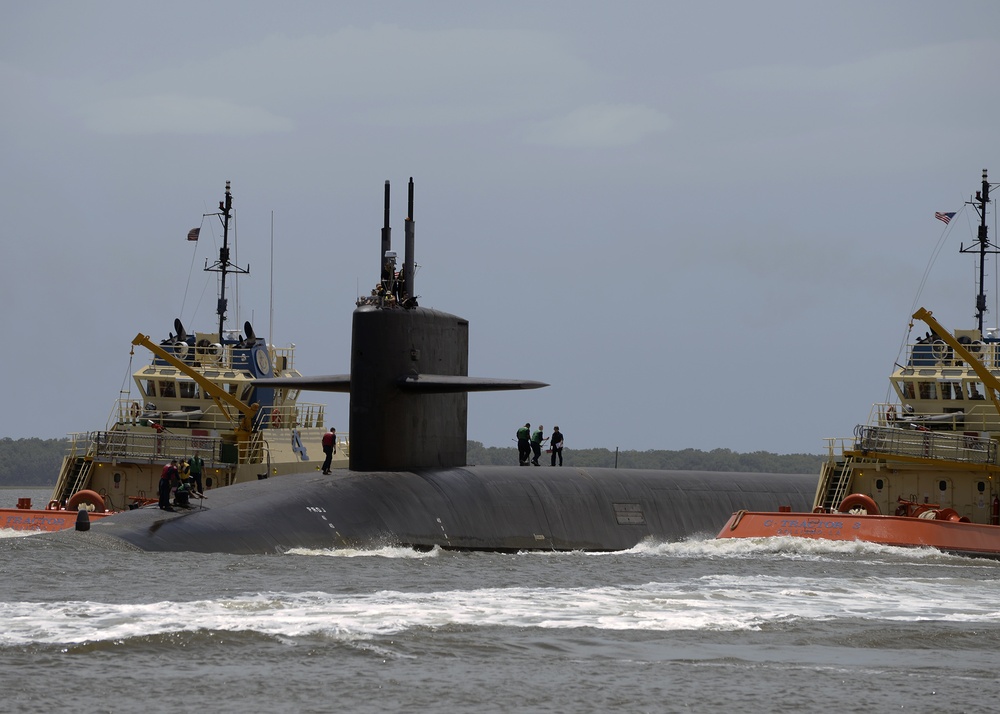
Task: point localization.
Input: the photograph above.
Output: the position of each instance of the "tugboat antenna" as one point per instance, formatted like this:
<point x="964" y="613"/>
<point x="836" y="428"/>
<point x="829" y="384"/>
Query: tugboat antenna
<point x="224" y="265"/>
<point x="979" y="202"/>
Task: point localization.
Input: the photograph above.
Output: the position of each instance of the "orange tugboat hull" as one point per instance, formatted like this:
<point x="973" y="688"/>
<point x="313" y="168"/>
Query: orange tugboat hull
<point x="38" y="519"/>
<point x="53" y="517"/>
<point x="951" y="536"/>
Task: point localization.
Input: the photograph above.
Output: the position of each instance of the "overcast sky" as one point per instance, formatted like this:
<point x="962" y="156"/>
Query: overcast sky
<point x="705" y="224"/>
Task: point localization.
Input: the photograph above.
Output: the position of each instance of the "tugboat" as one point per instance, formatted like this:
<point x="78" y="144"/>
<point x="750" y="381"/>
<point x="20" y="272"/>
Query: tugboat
<point x="195" y="397"/>
<point x="924" y="470"/>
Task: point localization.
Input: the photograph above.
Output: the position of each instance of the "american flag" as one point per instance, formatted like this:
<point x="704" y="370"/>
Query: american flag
<point x="193" y="233"/>
<point x="937" y="214"/>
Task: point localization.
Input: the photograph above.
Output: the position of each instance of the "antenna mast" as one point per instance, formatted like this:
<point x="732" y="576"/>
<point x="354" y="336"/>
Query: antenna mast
<point x="223" y="265"/>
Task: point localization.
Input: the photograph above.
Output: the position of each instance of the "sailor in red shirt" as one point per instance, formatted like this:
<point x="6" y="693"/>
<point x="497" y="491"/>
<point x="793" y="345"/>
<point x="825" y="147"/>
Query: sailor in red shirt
<point x="329" y="448"/>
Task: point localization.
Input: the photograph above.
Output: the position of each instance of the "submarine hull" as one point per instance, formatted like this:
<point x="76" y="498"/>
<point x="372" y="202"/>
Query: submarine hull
<point x="491" y="508"/>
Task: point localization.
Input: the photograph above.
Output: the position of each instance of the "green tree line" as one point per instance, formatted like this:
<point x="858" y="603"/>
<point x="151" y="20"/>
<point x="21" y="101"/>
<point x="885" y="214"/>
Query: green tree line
<point x="36" y="462"/>
<point x="31" y="462"/>
<point x="683" y="460"/>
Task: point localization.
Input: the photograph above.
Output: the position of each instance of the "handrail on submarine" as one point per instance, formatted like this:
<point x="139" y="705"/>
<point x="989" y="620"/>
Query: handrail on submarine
<point x="982" y="371"/>
<point x="243" y="426"/>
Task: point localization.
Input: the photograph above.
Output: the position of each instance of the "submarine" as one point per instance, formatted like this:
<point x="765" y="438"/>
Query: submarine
<point x="408" y="483"/>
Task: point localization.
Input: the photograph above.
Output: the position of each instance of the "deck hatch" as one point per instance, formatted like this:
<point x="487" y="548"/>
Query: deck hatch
<point x="629" y="514"/>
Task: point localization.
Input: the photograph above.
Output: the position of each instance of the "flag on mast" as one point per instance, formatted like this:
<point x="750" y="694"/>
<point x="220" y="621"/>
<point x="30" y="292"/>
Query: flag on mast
<point x="937" y="214"/>
<point x="193" y="233"/>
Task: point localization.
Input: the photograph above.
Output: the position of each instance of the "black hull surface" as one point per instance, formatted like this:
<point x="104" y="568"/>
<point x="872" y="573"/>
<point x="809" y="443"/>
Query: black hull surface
<point x="493" y="508"/>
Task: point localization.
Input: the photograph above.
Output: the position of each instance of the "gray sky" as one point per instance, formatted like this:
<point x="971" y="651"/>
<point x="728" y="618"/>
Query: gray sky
<point x="703" y="223"/>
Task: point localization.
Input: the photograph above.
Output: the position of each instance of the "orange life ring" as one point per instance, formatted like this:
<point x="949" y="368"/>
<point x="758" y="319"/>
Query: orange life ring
<point x="54" y="505"/>
<point x="86" y="496"/>
<point x="134" y="410"/>
<point x="859" y="500"/>
<point x="890" y="414"/>
<point x="275" y="418"/>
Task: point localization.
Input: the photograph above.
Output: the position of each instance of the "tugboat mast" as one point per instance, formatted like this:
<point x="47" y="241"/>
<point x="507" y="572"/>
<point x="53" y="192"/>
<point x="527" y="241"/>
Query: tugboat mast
<point x="223" y="265"/>
<point x="979" y="202"/>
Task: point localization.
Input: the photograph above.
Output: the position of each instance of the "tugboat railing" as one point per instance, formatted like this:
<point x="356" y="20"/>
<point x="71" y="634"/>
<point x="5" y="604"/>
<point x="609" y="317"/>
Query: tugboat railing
<point x="924" y="444"/>
<point x="289" y="416"/>
<point x="223" y="357"/>
<point x="123" y="445"/>
<point x="938" y="354"/>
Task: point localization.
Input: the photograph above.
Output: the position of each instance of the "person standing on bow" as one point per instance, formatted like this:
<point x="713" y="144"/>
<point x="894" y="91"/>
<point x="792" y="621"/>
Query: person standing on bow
<point x="536" y="444"/>
<point x="195" y="466"/>
<point x="524" y="444"/>
<point x="329" y="448"/>
<point x="556" y="445"/>
<point x="168" y="477"/>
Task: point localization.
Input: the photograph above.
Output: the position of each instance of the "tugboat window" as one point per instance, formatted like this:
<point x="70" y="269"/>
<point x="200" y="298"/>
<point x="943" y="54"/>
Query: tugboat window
<point x="167" y="389"/>
<point x="981" y="486"/>
<point x="879" y="484"/>
<point x="942" y="485"/>
<point x="948" y="388"/>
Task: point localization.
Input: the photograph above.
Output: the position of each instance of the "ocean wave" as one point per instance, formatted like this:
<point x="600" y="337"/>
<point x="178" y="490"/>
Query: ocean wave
<point x="11" y="533"/>
<point x="793" y="548"/>
<point x="712" y="603"/>
<point x="393" y="552"/>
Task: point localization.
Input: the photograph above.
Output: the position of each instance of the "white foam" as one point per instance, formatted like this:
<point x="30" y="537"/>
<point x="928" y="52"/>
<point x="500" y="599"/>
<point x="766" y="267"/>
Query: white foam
<point x="12" y="533"/>
<point x="792" y="548"/>
<point x="384" y="552"/>
<point x="729" y="602"/>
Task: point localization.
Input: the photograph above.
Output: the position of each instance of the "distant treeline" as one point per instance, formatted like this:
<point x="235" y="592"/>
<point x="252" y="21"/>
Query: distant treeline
<point x="36" y="462"/>
<point x="31" y="462"/>
<point x="684" y="460"/>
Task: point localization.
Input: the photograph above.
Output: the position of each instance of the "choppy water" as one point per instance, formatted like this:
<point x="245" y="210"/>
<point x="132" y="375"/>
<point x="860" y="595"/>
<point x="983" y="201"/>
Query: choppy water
<point x="706" y="626"/>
